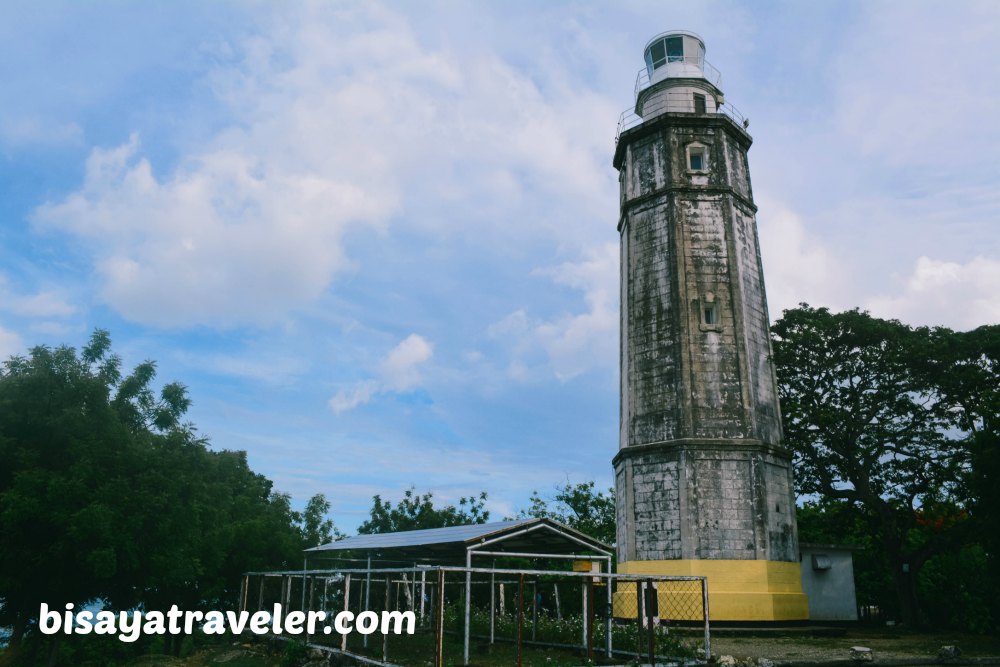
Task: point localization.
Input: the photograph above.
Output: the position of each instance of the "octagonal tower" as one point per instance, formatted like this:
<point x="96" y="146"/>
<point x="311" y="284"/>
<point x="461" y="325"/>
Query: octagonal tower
<point x="704" y="486"/>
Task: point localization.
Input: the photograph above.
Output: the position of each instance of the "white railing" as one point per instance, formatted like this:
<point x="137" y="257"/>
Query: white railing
<point x="677" y="103"/>
<point x="679" y="66"/>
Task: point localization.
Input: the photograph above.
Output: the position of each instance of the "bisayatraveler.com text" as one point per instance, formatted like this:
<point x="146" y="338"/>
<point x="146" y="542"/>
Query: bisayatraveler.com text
<point x="130" y="625"/>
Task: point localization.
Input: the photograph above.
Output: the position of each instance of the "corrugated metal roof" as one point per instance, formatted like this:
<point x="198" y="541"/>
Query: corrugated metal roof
<point x="548" y="536"/>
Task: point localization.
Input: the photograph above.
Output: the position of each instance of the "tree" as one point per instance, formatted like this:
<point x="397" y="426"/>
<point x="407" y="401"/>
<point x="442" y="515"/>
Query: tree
<point x="579" y="506"/>
<point x="870" y="424"/>
<point x="314" y="525"/>
<point x="415" y="511"/>
<point x="72" y="435"/>
<point x="833" y="521"/>
<point x="105" y="495"/>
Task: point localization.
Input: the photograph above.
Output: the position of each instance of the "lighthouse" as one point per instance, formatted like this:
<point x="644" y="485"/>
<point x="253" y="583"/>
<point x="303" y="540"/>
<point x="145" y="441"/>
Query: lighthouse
<point x="703" y="483"/>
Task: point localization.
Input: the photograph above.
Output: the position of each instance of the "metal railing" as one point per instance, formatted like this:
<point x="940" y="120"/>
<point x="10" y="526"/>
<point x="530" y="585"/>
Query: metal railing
<point x="680" y="66"/>
<point x="683" y="103"/>
<point x="518" y="616"/>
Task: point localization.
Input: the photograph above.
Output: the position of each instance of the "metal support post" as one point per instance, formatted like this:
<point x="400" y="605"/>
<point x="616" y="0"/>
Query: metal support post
<point x="590" y="619"/>
<point x="385" y="637"/>
<point x="534" y="610"/>
<point x="423" y="594"/>
<point x="648" y="604"/>
<point x="610" y="612"/>
<point x="439" y="622"/>
<point x="704" y="611"/>
<point x="347" y="601"/>
<point x="520" y="616"/>
<point x="244" y="592"/>
<point x="468" y="603"/>
<point x="368" y="591"/>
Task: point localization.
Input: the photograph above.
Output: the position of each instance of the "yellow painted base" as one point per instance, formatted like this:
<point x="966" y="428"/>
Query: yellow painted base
<point x="738" y="590"/>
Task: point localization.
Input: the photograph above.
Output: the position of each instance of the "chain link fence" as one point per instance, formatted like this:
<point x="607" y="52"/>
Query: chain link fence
<point x="478" y="616"/>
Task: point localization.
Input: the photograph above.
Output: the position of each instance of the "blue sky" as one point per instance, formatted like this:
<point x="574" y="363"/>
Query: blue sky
<point x="377" y="241"/>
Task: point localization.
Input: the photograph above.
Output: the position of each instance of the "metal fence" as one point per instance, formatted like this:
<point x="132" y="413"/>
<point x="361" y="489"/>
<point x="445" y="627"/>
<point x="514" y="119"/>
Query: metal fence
<point x="469" y="616"/>
<point x="682" y="102"/>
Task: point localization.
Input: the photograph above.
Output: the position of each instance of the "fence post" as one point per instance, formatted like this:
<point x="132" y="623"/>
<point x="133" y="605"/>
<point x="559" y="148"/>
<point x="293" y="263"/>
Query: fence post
<point x="534" y="610"/>
<point x="638" y="616"/>
<point x="312" y="600"/>
<point x="704" y="611"/>
<point x="423" y="594"/>
<point x="368" y="591"/>
<point x="468" y="604"/>
<point x="520" y="615"/>
<point x="260" y="596"/>
<point x="439" y="623"/>
<point x="492" y="602"/>
<point x="347" y="604"/>
<point x="610" y="612"/>
<point x="648" y="605"/>
<point x="385" y="636"/>
<point x="590" y="618"/>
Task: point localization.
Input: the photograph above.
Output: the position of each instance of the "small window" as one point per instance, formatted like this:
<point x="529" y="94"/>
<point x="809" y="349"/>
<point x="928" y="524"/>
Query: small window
<point x="711" y="317"/>
<point x="696" y="158"/>
<point x="656" y="51"/>
<point x="699" y="103"/>
<point x="675" y="49"/>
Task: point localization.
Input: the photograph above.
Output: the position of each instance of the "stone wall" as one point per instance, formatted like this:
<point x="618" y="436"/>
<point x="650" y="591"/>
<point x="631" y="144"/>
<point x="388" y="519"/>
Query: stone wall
<point x="700" y="473"/>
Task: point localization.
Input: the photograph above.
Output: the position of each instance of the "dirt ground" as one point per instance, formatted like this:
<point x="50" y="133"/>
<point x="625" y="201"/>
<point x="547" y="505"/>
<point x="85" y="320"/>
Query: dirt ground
<point x="886" y="644"/>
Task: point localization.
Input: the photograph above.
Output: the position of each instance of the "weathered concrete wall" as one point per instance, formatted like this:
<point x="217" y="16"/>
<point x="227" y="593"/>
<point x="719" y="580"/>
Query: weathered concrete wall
<point x="830" y="590"/>
<point x="700" y="473"/>
<point x="703" y="500"/>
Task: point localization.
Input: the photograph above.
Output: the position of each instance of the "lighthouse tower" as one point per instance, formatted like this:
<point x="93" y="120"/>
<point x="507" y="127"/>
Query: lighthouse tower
<point x="704" y="486"/>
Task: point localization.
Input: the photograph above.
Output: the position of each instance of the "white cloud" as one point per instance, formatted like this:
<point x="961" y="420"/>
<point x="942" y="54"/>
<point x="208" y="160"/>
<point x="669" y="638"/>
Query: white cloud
<point x="10" y="344"/>
<point x="26" y="131"/>
<point x="225" y="239"/>
<point x="340" y="118"/>
<point x="348" y="399"/>
<point x="46" y="303"/>
<point x="399" y="371"/>
<point x="260" y="365"/>
<point x="960" y="296"/>
<point x="576" y="343"/>
<point x="916" y="82"/>
<point x="797" y="266"/>
<point x="573" y="343"/>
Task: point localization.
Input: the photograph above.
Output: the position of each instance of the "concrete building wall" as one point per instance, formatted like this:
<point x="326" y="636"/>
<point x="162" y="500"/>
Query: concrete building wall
<point x="705" y="503"/>
<point x="828" y="581"/>
<point x="700" y="473"/>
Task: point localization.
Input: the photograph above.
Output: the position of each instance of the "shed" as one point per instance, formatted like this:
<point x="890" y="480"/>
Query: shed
<point x="828" y="581"/>
<point x="525" y="538"/>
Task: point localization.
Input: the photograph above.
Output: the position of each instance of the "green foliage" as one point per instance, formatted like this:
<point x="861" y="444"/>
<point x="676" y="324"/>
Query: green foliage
<point x="579" y="506"/>
<point x="295" y="654"/>
<point x="830" y="521"/>
<point x="568" y="630"/>
<point x="107" y="496"/>
<point x="315" y="526"/>
<point x="951" y="584"/>
<point x="880" y="417"/>
<point x="415" y="512"/>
